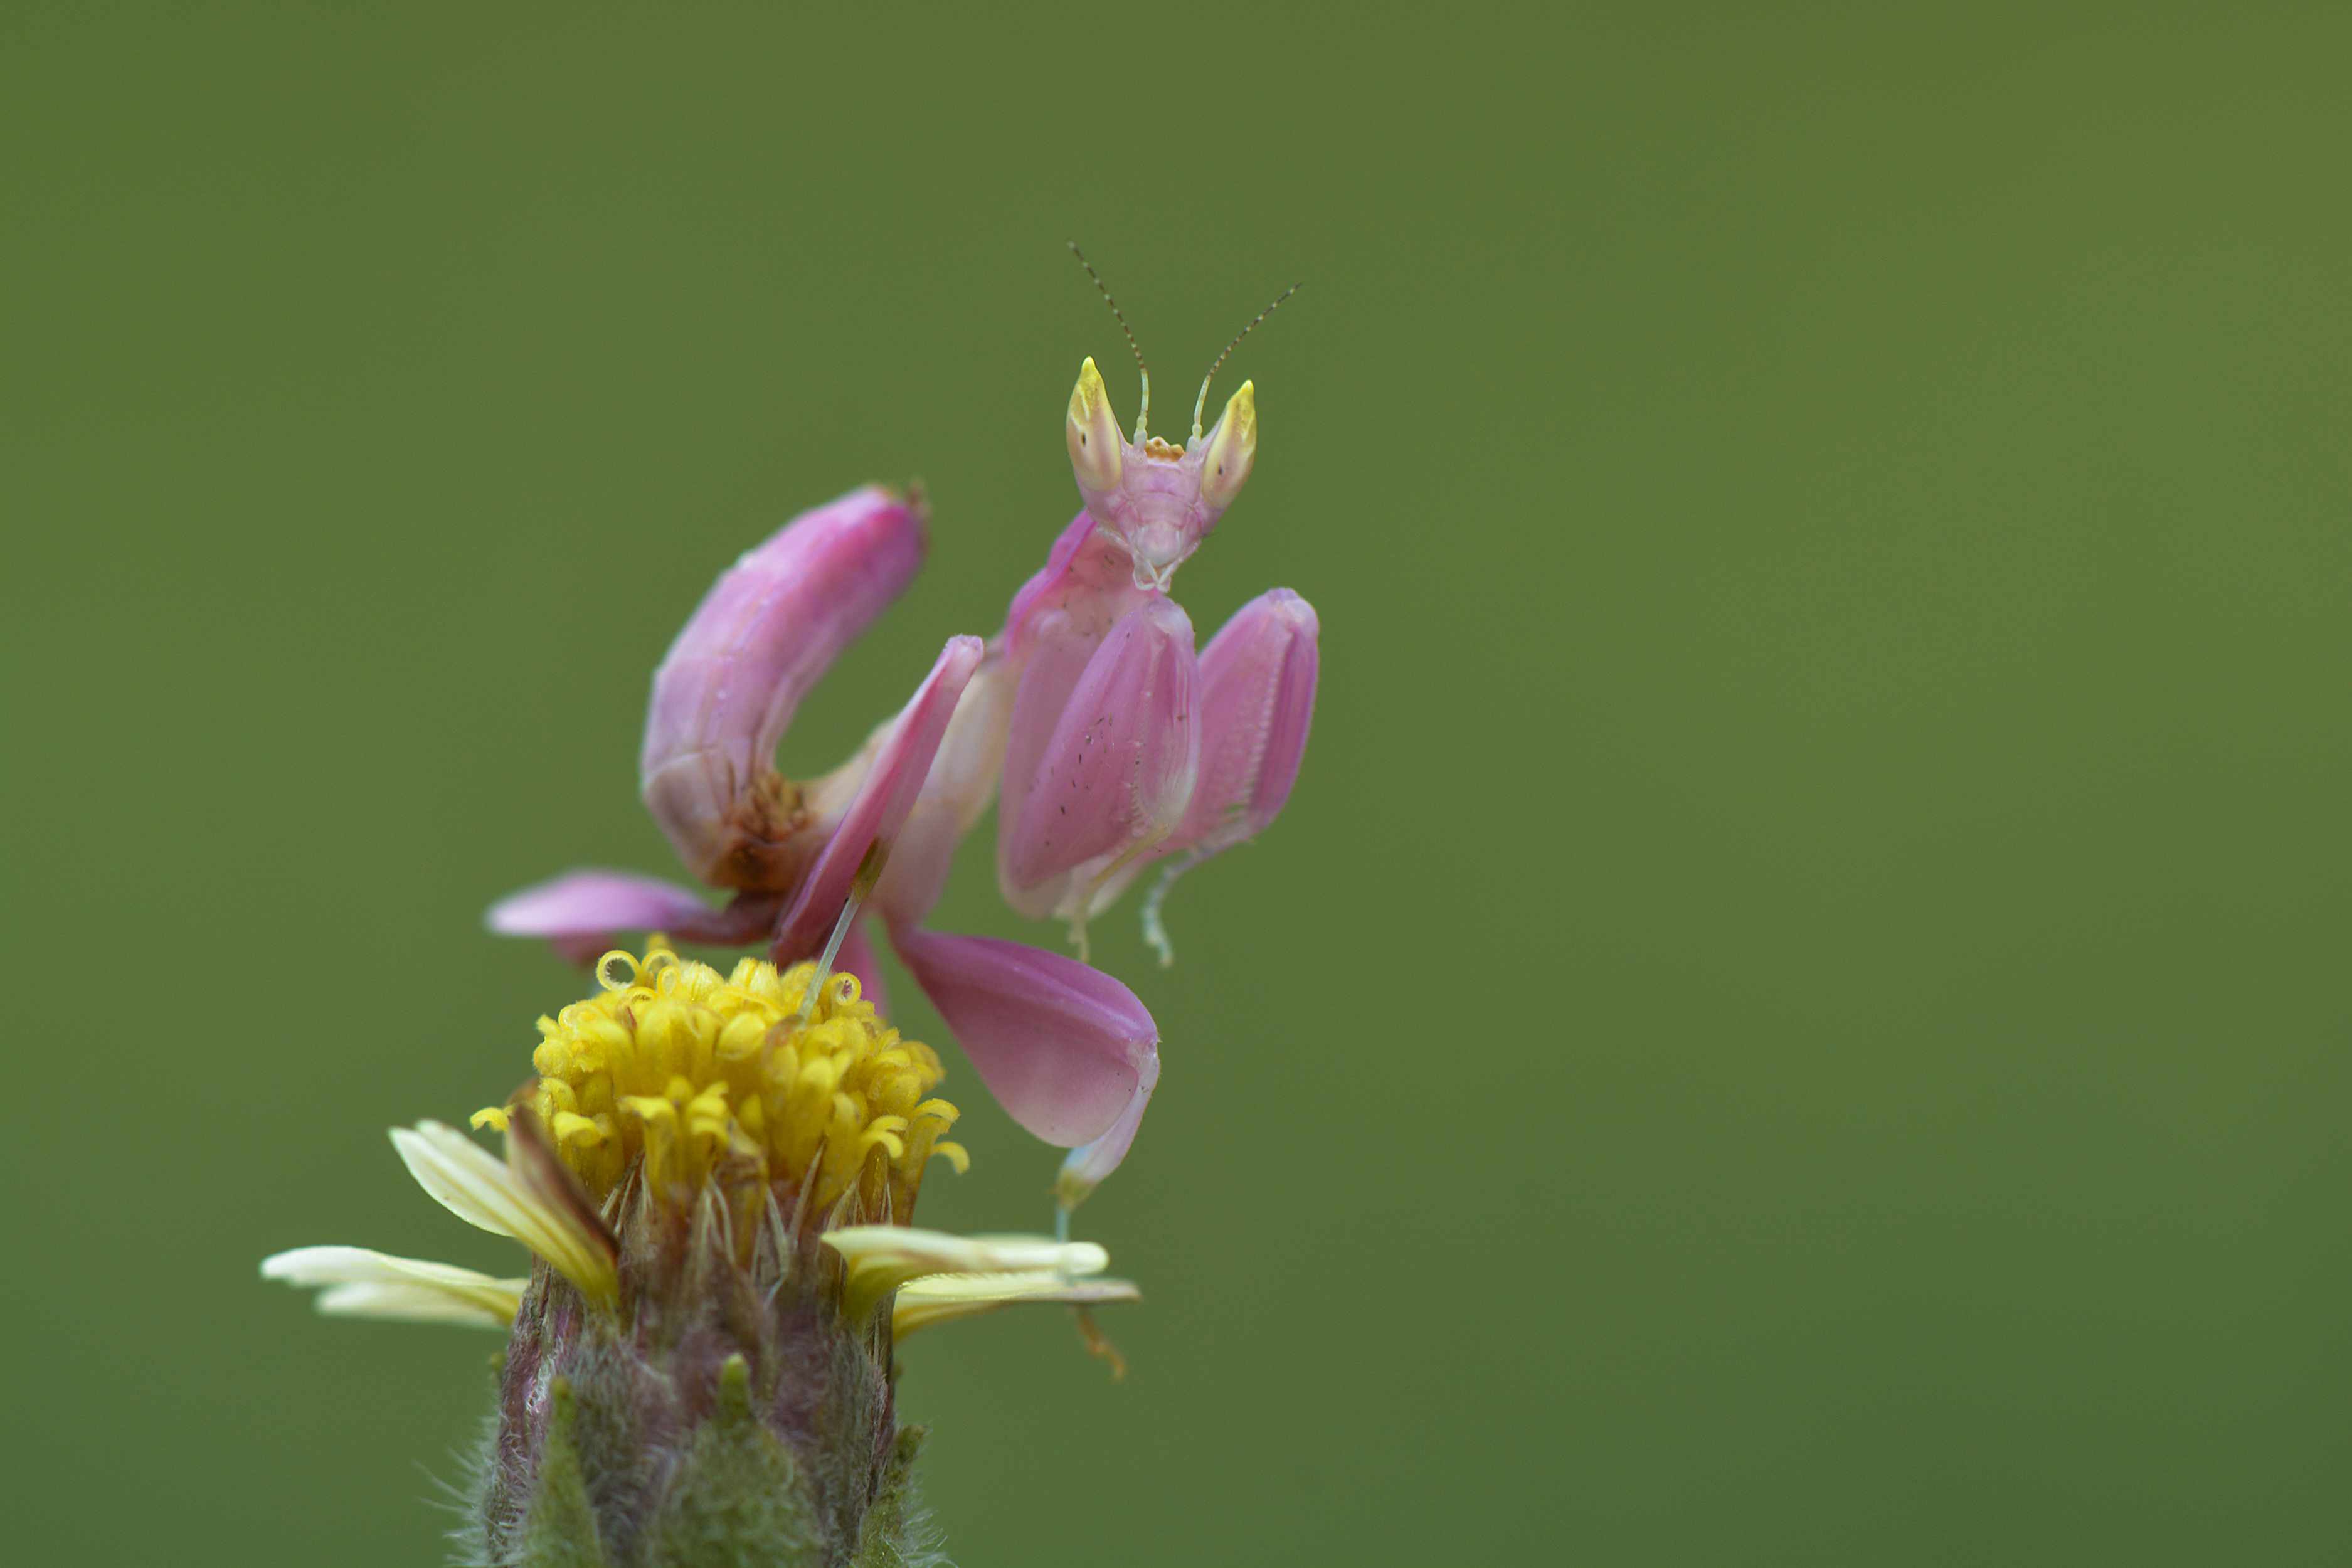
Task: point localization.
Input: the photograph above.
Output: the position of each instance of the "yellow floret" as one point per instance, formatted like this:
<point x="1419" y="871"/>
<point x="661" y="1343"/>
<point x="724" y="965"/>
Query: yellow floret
<point x="686" y="1069"/>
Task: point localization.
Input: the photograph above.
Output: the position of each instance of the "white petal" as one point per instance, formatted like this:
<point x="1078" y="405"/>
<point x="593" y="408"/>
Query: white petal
<point x="407" y="1303"/>
<point x="881" y="1258"/>
<point x="464" y="1178"/>
<point x="942" y="1297"/>
<point x="378" y="1285"/>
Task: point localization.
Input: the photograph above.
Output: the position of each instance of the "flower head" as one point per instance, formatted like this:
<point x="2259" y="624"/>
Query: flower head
<point x="679" y="1077"/>
<point x="715" y="1175"/>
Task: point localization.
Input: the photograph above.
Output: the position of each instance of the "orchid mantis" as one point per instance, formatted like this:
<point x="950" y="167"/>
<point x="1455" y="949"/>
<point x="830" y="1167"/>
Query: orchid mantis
<point x="1115" y="744"/>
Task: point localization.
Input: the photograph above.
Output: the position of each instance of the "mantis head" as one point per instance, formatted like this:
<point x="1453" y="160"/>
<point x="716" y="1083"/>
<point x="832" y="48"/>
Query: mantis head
<point x="1158" y="500"/>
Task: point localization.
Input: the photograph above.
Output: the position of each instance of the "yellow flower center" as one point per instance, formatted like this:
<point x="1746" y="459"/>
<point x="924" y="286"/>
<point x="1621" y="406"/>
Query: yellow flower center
<point x="696" y="1073"/>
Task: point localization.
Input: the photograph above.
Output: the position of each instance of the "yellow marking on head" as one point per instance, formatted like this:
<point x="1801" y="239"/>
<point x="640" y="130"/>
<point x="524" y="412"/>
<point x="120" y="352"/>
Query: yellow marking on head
<point x="1091" y="397"/>
<point x="1093" y="431"/>
<point x="1232" y="450"/>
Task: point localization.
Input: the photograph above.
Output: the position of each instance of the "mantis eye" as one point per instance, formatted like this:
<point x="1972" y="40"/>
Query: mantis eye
<point x="1095" y="440"/>
<point x="1232" y="444"/>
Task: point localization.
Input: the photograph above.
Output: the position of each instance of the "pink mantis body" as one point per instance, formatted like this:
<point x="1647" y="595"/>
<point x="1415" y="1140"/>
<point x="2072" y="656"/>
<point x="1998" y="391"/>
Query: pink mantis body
<point x="1203" y="750"/>
<point x="1115" y="744"/>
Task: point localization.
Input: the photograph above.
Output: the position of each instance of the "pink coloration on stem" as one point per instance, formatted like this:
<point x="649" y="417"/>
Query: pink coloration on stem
<point x="767" y="630"/>
<point x="862" y="840"/>
<point x="1062" y="1047"/>
<point x="1117" y="772"/>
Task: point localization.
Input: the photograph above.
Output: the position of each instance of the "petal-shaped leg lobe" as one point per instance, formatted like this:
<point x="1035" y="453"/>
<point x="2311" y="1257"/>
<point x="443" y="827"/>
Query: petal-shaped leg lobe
<point x="955" y="794"/>
<point x="1258" y="702"/>
<point x="584" y="913"/>
<point x="861" y="842"/>
<point x="1089" y="1163"/>
<point x="1117" y="769"/>
<point x="1059" y="650"/>
<point x="768" y="629"/>
<point x="1087" y="574"/>
<point x="1062" y="1047"/>
<point x="593" y="902"/>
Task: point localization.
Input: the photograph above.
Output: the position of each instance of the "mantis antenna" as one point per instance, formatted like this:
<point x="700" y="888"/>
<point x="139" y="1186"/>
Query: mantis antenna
<point x="1143" y="413"/>
<point x="1202" y="401"/>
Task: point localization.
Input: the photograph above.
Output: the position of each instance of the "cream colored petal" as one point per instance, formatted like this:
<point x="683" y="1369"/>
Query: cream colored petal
<point x="466" y="1179"/>
<point x="361" y="1283"/>
<point x="942" y="1297"/>
<point x="882" y="1258"/>
<point x="405" y="1303"/>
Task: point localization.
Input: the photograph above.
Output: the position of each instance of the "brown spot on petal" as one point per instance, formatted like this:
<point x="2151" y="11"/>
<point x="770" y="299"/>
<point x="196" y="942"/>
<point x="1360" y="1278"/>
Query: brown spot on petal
<point x="769" y="840"/>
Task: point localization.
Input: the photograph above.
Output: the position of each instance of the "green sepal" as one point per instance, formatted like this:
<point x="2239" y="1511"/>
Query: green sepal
<point x="897" y="1530"/>
<point x="739" y="1500"/>
<point x="559" y="1532"/>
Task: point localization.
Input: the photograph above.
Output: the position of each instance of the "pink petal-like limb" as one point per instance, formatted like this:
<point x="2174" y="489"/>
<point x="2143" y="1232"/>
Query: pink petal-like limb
<point x="1088" y="573"/>
<point x="767" y="630"/>
<point x="1090" y="1161"/>
<point x="1257" y="704"/>
<point x="583" y="912"/>
<point x="1059" y="647"/>
<point x="1117" y="771"/>
<point x="1056" y="621"/>
<point x="862" y="839"/>
<point x="955" y="796"/>
<point x="1055" y="580"/>
<point x="1062" y="1047"/>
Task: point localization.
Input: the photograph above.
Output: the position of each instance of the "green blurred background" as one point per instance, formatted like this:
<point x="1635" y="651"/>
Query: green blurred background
<point x="1797" y="1013"/>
